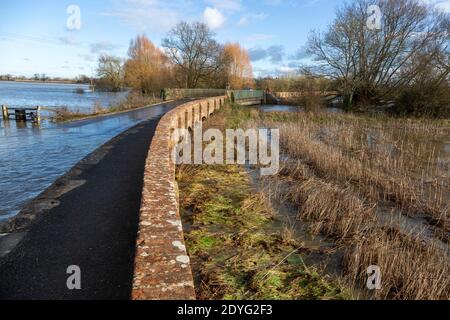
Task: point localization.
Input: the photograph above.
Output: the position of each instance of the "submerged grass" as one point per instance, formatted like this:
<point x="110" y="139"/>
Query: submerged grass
<point x="235" y="252"/>
<point x="133" y="101"/>
<point x="343" y="172"/>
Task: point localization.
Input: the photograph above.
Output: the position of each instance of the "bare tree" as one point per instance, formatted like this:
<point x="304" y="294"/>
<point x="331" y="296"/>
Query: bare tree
<point x="192" y="49"/>
<point x="370" y="63"/>
<point x="110" y="69"/>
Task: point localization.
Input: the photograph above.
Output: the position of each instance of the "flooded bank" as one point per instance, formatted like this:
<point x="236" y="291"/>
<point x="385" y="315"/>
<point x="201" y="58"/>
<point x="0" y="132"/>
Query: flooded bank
<point x="34" y="156"/>
<point x="269" y="108"/>
<point x="317" y="250"/>
<point x="280" y="108"/>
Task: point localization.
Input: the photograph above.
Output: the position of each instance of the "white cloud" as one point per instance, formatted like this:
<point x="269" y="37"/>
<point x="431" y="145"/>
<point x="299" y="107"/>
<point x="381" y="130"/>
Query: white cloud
<point x="87" y="57"/>
<point x="213" y="18"/>
<point x="69" y="41"/>
<point x="149" y="14"/>
<point x="444" y="5"/>
<point x="230" y="5"/>
<point x="286" y="69"/>
<point x="246" y="19"/>
<point x="102" y="47"/>
<point x="274" y="53"/>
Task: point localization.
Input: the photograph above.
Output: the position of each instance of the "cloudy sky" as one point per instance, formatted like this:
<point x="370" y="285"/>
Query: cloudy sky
<point x="43" y="36"/>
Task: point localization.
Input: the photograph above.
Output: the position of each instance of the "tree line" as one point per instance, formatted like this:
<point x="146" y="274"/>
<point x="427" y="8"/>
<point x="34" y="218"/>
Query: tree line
<point x="403" y="62"/>
<point x="190" y="58"/>
<point x="406" y="59"/>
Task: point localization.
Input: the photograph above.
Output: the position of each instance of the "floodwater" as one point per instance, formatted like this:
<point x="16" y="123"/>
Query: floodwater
<point x="280" y="108"/>
<point x="442" y="146"/>
<point x="291" y="109"/>
<point x="416" y="225"/>
<point x="52" y="96"/>
<point x="32" y="157"/>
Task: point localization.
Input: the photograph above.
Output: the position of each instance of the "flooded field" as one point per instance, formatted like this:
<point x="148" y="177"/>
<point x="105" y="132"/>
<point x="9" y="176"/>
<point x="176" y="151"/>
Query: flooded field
<point x="51" y="96"/>
<point x="34" y="156"/>
<point x="362" y="191"/>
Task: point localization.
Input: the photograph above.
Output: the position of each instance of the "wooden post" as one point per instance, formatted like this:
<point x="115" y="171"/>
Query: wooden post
<point x="21" y="115"/>
<point x="5" y="112"/>
<point x="38" y="114"/>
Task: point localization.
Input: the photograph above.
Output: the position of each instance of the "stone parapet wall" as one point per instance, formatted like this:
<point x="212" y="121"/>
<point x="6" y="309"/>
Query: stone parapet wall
<point x="162" y="266"/>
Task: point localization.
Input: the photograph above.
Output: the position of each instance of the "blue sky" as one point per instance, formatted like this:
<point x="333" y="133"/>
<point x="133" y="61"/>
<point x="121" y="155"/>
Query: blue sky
<point x="35" y="39"/>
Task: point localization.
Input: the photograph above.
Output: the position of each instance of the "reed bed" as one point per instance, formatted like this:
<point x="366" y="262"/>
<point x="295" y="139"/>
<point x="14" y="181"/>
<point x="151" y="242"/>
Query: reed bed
<point x="380" y="164"/>
<point x="341" y="171"/>
<point x="412" y="268"/>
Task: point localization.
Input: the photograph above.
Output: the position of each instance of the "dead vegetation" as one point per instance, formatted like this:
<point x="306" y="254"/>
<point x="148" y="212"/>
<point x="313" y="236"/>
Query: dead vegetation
<point x="396" y="164"/>
<point x="412" y="268"/>
<point x="342" y="181"/>
<point x="354" y="180"/>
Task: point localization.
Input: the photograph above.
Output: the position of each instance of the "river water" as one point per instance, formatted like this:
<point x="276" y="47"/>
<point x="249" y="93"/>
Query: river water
<point x="49" y="95"/>
<point x="33" y="156"/>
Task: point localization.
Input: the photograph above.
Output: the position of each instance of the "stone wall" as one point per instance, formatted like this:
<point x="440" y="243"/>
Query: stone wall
<point x="162" y="266"/>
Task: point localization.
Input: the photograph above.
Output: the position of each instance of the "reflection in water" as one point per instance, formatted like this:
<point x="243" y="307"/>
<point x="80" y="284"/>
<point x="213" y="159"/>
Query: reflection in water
<point x="33" y="157"/>
<point x="280" y="108"/>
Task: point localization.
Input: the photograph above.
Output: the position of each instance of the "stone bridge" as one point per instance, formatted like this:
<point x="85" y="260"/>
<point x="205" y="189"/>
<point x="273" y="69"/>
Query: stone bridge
<point x="162" y="265"/>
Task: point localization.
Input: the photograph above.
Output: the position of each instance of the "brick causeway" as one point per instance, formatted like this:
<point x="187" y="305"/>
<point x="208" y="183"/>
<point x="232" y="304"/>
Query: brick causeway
<point x="162" y="266"/>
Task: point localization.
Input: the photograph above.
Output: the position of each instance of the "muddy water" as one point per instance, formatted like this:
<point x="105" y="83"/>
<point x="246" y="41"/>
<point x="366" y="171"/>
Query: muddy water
<point x="318" y="252"/>
<point x="291" y="109"/>
<point x="280" y="108"/>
